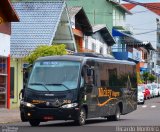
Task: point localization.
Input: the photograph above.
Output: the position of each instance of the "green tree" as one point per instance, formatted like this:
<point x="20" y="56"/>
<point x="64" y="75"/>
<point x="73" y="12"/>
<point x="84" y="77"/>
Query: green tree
<point x="151" y="78"/>
<point x="46" y="50"/>
<point x="145" y="76"/>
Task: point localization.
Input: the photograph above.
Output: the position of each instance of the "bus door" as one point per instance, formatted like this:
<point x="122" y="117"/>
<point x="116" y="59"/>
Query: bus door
<point x="103" y="89"/>
<point x="90" y="92"/>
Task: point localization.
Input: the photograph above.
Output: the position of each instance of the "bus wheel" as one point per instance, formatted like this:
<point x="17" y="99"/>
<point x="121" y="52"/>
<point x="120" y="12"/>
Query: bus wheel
<point x="34" y="122"/>
<point x="23" y="119"/>
<point x="82" y="117"/>
<point x="115" y="117"/>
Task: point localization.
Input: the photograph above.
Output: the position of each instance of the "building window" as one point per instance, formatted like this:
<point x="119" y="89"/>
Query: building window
<point x="152" y="64"/>
<point x="3" y="82"/>
<point x="158" y="38"/>
<point x="101" y="50"/>
<point x="93" y="46"/>
<point x="86" y="43"/>
<point x="145" y="56"/>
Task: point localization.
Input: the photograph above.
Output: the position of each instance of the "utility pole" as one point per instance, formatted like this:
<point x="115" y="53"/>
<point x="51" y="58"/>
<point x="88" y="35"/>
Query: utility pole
<point x="94" y="16"/>
<point x="158" y="47"/>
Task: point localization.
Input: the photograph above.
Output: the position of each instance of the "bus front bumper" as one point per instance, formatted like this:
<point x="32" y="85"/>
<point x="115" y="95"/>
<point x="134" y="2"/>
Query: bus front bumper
<point x="45" y="114"/>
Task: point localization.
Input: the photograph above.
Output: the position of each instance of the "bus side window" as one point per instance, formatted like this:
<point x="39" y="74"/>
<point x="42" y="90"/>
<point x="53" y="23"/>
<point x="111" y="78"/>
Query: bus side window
<point x="88" y="74"/>
<point x="90" y="78"/>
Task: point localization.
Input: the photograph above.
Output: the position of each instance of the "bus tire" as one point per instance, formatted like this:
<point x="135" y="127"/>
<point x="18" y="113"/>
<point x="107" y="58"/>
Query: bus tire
<point x="115" y="117"/>
<point x="23" y="119"/>
<point x="34" y="122"/>
<point x="81" y="118"/>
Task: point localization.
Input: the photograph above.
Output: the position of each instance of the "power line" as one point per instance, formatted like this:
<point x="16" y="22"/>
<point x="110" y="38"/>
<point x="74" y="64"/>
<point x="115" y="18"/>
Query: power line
<point x="146" y="32"/>
<point x="140" y="12"/>
<point x="143" y="29"/>
<point x="146" y="23"/>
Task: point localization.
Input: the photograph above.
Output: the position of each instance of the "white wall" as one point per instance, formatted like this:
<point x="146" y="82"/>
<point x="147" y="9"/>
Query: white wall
<point x="4" y="45"/>
<point x="98" y="44"/>
<point x="143" y="20"/>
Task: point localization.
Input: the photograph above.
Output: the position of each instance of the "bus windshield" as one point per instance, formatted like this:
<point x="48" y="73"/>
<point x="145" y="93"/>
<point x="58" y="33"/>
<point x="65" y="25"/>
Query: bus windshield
<point x="54" y="76"/>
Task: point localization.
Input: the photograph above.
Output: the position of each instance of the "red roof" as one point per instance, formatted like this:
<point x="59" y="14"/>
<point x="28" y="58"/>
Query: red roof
<point x="121" y="6"/>
<point x="129" y="6"/>
<point x="154" y="7"/>
<point x="8" y="10"/>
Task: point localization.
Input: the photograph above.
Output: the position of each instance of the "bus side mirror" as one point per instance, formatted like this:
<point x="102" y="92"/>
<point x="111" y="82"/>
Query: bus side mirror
<point x="27" y="70"/>
<point x="26" y="74"/>
<point x="90" y="76"/>
<point x="21" y="94"/>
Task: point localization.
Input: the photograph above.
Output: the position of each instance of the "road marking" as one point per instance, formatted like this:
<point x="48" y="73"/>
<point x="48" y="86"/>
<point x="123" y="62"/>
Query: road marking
<point x="144" y="106"/>
<point x="153" y="106"/>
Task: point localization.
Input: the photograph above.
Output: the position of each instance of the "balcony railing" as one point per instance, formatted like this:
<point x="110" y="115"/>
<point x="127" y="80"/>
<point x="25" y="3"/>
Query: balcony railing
<point x="85" y="50"/>
<point x="120" y="49"/>
<point x="126" y="53"/>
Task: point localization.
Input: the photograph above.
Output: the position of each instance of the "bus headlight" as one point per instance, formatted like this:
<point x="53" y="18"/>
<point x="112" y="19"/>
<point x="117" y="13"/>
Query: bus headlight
<point x="69" y="105"/>
<point x="27" y="104"/>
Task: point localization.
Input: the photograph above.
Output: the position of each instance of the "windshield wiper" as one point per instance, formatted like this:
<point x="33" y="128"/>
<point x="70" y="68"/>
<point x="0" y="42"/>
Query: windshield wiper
<point x="44" y="85"/>
<point x="59" y="84"/>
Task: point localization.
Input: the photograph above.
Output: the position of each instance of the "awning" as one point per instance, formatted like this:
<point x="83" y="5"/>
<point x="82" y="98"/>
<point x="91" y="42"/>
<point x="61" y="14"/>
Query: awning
<point x="143" y="69"/>
<point x="126" y="38"/>
<point x="131" y="41"/>
<point x="118" y="33"/>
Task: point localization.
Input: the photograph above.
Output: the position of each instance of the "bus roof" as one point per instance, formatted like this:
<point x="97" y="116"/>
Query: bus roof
<point x="83" y="58"/>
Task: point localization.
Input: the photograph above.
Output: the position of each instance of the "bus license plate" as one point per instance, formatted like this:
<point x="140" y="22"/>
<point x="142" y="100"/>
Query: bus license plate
<point x="48" y="117"/>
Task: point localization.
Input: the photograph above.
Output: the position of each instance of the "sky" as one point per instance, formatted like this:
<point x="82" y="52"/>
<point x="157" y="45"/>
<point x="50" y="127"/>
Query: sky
<point x="144" y="26"/>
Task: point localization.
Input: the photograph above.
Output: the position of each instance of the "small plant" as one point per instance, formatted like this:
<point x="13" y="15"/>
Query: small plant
<point x="148" y="77"/>
<point x="139" y="78"/>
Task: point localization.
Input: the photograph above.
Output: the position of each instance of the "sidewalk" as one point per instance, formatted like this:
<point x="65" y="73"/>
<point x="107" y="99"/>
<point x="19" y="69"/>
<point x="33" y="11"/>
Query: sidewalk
<point x="7" y="116"/>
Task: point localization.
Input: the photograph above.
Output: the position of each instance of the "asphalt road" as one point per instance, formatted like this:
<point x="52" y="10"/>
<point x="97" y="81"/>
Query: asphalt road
<point x="145" y="115"/>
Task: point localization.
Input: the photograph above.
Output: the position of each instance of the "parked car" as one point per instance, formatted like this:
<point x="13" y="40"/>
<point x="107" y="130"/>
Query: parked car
<point x="151" y="89"/>
<point x="140" y="97"/>
<point x="155" y="89"/>
<point x="158" y="89"/>
<point x="146" y="91"/>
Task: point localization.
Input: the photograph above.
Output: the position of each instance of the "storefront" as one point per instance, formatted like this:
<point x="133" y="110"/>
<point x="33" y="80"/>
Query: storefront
<point x="4" y="70"/>
<point x="7" y="15"/>
<point x="3" y="82"/>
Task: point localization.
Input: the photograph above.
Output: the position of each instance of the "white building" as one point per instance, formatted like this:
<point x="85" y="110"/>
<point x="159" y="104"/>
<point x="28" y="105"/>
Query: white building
<point x="100" y="41"/>
<point x="144" y="24"/>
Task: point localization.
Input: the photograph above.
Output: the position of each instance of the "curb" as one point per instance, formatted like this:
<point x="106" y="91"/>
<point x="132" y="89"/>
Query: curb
<point x="1" y="123"/>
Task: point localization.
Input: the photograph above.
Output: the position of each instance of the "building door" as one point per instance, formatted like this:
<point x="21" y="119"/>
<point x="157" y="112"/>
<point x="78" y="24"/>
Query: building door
<point x="79" y="42"/>
<point x="3" y="82"/>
